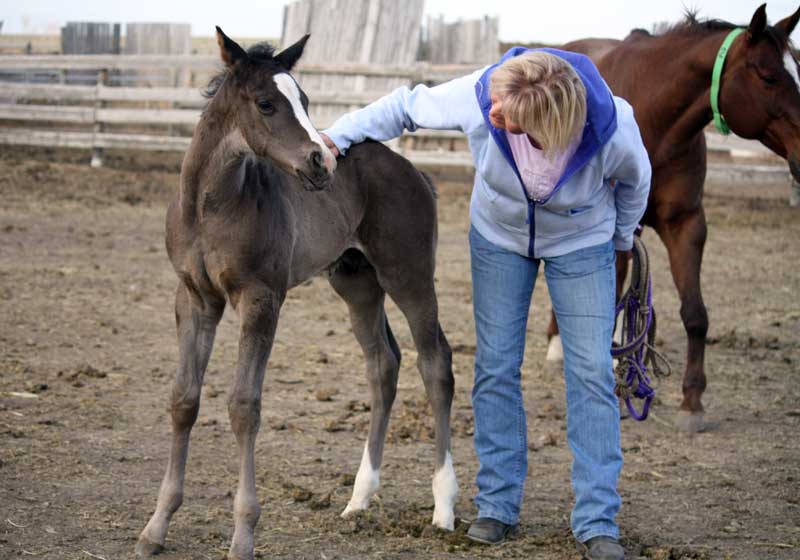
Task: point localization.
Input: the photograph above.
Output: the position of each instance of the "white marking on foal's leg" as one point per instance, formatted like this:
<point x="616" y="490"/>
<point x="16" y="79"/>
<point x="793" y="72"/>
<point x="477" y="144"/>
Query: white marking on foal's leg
<point x="555" y="352"/>
<point x="445" y="490"/>
<point x="288" y="87"/>
<point x="791" y="66"/>
<point x="368" y="480"/>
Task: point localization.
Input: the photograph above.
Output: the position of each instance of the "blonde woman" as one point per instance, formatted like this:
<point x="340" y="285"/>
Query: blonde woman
<point x="562" y="178"/>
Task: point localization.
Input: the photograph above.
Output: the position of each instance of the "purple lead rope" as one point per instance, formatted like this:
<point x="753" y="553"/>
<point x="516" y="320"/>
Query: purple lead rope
<point x="636" y="349"/>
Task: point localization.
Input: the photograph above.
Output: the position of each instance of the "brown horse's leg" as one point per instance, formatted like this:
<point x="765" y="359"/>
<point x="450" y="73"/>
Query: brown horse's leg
<point x="258" y="308"/>
<point x="358" y="286"/>
<point x="555" y="353"/>
<point x="197" y="324"/>
<point x="684" y="238"/>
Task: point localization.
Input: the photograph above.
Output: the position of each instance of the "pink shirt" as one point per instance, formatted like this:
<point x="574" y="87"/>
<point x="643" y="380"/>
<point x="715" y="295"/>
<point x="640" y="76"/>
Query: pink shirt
<point x="539" y="174"/>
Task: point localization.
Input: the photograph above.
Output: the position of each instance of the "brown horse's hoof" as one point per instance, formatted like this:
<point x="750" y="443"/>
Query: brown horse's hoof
<point x="146" y="549"/>
<point x="691" y="422"/>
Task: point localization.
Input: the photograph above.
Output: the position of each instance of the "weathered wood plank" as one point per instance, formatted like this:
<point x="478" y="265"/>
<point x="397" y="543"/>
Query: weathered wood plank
<point x="417" y="72"/>
<point x="179" y="95"/>
<point x="90" y="115"/>
<point x="149" y="116"/>
<point x="142" y="142"/>
<point x="47" y="91"/>
<point x="63" y="139"/>
<point x="167" y="94"/>
<point x="49" y="138"/>
<point x="11" y="111"/>
<point x="111" y="62"/>
<point x="172" y="143"/>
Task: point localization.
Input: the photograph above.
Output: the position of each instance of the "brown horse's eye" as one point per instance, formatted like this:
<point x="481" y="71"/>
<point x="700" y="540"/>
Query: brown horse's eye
<point x="265" y="106"/>
<point x="770" y="79"/>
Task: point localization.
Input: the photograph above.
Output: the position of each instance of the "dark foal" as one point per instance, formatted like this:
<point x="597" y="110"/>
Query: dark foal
<point x="667" y="79"/>
<point x="259" y="211"/>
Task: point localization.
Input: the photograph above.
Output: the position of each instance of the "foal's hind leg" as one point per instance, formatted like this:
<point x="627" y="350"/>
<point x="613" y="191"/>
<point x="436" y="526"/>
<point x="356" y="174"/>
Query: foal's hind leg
<point x="354" y="280"/>
<point x="417" y="301"/>
<point x="197" y="323"/>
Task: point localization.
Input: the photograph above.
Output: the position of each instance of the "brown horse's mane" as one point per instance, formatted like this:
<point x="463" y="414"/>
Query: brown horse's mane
<point x="260" y="53"/>
<point x="691" y="24"/>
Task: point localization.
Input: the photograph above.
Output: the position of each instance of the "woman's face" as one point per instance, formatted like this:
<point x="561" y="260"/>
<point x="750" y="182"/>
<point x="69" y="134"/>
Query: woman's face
<point x="499" y="120"/>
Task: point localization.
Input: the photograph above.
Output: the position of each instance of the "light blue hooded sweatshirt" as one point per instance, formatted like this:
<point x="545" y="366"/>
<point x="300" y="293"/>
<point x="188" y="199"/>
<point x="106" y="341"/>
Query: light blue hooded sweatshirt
<point x="602" y="194"/>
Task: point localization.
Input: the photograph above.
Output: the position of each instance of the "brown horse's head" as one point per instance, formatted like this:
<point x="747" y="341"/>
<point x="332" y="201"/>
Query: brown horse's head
<point x="271" y="111"/>
<point x="760" y="90"/>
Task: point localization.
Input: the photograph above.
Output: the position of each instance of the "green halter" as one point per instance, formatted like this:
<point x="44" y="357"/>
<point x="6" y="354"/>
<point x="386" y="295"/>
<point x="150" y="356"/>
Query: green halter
<point x="719" y="63"/>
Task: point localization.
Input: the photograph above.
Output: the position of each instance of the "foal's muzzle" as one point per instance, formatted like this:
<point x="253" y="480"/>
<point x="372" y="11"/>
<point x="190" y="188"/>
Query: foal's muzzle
<point x="315" y="175"/>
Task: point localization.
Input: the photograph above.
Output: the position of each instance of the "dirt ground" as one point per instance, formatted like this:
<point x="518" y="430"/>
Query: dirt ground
<point x="87" y="351"/>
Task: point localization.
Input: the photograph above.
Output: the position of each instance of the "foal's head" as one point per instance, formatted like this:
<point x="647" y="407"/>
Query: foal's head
<point x="271" y="111"/>
<point x="760" y="91"/>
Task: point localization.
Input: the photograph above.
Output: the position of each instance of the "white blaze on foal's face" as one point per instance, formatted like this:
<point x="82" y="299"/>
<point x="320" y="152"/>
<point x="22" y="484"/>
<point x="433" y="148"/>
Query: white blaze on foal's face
<point x="288" y="87"/>
<point x="791" y="66"/>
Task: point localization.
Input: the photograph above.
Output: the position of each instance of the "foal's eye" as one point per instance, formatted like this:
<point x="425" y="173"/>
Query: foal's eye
<point x="769" y="79"/>
<point x="265" y="106"/>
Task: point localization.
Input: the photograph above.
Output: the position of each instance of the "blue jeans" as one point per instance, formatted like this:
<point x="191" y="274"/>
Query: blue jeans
<point x="582" y="290"/>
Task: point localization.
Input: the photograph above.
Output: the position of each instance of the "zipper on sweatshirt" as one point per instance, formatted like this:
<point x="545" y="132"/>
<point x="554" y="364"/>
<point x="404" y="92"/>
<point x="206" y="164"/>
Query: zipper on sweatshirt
<point x="531" y="225"/>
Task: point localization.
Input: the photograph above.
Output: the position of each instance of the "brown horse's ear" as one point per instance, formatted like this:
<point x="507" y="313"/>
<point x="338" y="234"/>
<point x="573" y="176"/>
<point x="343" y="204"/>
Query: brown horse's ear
<point x="757" y="25"/>
<point x="289" y="56"/>
<point x="230" y="51"/>
<point x="788" y="24"/>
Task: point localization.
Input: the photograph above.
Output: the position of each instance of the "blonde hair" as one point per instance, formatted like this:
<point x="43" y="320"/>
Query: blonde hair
<point x="543" y="94"/>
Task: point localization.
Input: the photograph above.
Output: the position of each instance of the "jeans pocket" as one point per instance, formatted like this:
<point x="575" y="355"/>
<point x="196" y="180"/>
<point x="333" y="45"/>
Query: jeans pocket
<point x="581" y="262"/>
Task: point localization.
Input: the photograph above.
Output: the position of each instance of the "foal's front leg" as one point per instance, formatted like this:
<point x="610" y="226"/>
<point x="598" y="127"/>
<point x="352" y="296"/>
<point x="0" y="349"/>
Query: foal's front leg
<point x="197" y="324"/>
<point x="259" y="310"/>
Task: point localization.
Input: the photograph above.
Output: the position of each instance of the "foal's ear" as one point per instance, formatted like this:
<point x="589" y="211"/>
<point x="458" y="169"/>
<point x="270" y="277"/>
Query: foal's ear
<point x="788" y="24"/>
<point x="230" y="51"/>
<point x="289" y="56"/>
<point x="757" y="25"/>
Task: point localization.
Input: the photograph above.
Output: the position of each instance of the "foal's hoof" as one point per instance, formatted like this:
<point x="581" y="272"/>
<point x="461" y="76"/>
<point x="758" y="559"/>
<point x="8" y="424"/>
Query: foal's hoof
<point x="351" y="510"/>
<point x="691" y="422"/>
<point x="145" y="548"/>
<point x="444" y="520"/>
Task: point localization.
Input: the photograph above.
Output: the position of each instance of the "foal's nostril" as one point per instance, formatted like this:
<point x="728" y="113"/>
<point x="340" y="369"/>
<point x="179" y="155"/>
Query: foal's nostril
<point x="316" y="160"/>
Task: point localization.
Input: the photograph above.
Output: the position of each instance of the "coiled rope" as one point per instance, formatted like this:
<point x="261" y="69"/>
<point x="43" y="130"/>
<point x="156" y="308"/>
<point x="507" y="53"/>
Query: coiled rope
<point x="637" y="349"/>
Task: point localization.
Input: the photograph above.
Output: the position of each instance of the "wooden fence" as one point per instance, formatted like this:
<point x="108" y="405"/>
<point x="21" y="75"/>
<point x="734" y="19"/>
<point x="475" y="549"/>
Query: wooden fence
<point x="101" y="116"/>
<point x="368" y="32"/>
<point x="466" y="42"/>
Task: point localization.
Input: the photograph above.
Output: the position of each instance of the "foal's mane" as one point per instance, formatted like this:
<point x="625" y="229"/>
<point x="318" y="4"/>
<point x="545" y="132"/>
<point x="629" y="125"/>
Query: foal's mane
<point x="260" y="54"/>
<point x="691" y="25"/>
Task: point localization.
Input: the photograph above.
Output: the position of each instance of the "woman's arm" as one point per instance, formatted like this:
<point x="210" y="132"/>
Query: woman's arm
<point x="627" y="165"/>
<point x="449" y="106"/>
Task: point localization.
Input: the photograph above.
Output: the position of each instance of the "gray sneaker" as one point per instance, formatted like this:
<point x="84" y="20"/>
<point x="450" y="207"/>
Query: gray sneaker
<point x="602" y="548"/>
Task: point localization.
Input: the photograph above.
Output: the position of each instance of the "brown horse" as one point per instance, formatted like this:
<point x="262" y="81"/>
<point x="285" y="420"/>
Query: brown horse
<point x="667" y="79"/>
<point x="259" y="211"/>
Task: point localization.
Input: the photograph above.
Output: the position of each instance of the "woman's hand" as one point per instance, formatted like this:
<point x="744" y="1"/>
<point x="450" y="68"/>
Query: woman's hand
<point x="328" y="142"/>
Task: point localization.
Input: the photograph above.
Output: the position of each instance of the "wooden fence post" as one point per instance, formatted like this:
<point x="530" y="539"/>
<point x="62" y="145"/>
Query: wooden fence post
<point x="97" y="152"/>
